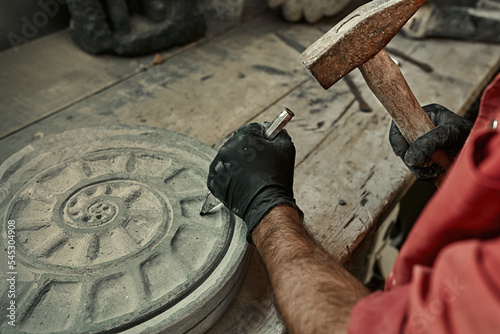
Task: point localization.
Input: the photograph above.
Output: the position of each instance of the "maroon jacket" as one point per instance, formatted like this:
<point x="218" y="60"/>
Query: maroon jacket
<point x="446" y="279"/>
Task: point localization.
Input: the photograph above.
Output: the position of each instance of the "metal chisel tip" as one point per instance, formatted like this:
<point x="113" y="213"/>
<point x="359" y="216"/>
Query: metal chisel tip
<point x="211" y="202"/>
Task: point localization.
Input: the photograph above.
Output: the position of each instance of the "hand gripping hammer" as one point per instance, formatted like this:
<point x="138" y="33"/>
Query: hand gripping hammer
<point x="358" y="41"/>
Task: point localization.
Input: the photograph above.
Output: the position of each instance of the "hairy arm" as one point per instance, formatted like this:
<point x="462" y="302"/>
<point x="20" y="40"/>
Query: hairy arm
<point x="315" y="294"/>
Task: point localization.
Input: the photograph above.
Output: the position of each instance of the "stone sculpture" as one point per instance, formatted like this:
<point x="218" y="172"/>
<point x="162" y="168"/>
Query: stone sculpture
<point x="108" y="236"/>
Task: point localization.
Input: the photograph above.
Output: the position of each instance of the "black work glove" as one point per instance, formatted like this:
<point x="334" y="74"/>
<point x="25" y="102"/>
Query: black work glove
<point x="251" y="174"/>
<point x="450" y="134"/>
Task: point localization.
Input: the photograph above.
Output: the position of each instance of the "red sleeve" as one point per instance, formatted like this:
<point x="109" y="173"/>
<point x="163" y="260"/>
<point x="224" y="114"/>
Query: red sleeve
<point x="460" y="295"/>
<point x="445" y="279"/>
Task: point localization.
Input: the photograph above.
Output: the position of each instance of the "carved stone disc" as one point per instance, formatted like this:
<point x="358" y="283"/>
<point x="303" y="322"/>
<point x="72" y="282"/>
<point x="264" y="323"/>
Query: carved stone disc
<point x="109" y="236"/>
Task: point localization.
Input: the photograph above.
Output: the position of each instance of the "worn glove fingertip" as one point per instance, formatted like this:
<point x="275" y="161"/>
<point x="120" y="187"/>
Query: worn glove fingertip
<point x="400" y="150"/>
<point x="283" y="135"/>
<point x="414" y="157"/>
<point x="284" y="144"/>
<point x="254" y="129"/>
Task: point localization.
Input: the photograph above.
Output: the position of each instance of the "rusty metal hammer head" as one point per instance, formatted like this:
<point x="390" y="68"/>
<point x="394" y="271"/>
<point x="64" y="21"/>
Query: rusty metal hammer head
<point x="357" y="38"/>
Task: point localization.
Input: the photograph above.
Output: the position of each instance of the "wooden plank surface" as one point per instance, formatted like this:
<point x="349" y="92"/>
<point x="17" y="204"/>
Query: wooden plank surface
<point x="248" y="74"/>
<point x="39" y="79"/>
<point x="353" y="160"/>
<point x="207" y="92"/>
<point x="52" y="73"/>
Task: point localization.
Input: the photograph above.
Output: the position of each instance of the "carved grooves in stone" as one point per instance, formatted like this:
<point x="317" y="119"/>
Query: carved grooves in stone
<point x="19" y="207"/>
<point x="35" y="225"/>
<point x="132" y="196"/>
<point x="141" y="251"/>
<point x="49" y="246"/>
<point x="165" y="276"/>
<point x="112" y="297"/>
<point x="146" y="285"/>
<point x="12" y="169"/>
<point x="189" y="204"/>
<point x="51" y="173"/>
<point x="176" y="171"/>
<point x="187" y="238"/>
<point x="174" y="243"/>
<point x="87" y="171"/>
<point x="54" y="307"/>
<point x="131" y="162"/>
<point x="91" y="246"/>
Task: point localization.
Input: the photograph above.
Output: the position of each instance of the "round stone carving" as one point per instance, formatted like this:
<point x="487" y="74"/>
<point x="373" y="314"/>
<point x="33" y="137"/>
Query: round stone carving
<point x="109" y="236"/>
<point x="92" y="206"/>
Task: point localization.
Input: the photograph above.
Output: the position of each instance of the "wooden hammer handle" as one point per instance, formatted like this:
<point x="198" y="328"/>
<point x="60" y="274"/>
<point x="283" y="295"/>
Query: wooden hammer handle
<point x="389" y="85"/>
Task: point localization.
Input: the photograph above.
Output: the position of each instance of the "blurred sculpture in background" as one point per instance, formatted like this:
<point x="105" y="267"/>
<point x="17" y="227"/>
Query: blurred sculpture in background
<point x="134" y="27"/>
<point x="310" y="10"/>
<point x="460" y="19"/>
<point x="477" y="20"/>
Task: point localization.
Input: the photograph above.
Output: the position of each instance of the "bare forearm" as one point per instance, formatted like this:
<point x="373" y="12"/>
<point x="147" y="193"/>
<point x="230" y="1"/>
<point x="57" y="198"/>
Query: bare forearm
<point x="315" y="294"/>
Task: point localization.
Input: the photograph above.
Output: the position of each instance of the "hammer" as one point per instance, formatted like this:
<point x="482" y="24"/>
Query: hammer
<point x="358" y="41"/>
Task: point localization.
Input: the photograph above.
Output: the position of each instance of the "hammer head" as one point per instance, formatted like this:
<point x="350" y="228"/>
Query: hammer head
<point x="357" y="38"/>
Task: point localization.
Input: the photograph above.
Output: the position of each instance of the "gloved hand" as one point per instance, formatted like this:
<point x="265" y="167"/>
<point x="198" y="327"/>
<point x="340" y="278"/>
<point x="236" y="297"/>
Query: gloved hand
<point x="450" y="134"/>
<point x="251" y="174"/>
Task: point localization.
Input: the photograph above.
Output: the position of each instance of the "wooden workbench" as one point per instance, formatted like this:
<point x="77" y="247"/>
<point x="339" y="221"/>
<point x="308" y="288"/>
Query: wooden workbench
<point x="241" y="73"/>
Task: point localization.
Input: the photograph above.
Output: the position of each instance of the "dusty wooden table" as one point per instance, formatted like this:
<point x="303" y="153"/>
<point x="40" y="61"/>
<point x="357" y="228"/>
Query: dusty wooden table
<point x="238" y="74"/>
